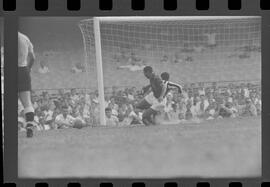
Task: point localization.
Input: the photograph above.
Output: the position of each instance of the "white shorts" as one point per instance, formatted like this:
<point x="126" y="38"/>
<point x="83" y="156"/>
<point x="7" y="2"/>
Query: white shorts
<point x="155" y="104"/>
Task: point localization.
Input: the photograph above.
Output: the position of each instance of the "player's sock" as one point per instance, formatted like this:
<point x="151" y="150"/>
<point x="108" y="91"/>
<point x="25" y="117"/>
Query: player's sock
<point x="29" y="118"/>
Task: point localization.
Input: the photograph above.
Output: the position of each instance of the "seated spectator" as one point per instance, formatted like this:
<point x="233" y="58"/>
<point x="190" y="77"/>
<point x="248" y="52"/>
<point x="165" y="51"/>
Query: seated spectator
<point x="165" y="59"/>
<point x="96" y="97"/>
<point x="111" y="120"/>
<point x="45" y="101"/>
<point x="64" y="120"/>
<point x="21" y="124"/>
<point x="134" y="63"/>
<point x="122" y="112"/>
<point x="197" y="106"/>
<point x="106" y="101"/>
<point x="87" y="99"/>
<point x="114" y="91"/>
<point x="21" y="120"/>
<point x="199" y="48"/>
<point x="114" y="107"/>
<point x="35" y="102"/>
<point x="48" y="118"/>
<point x="244" y="91"/>
<point x="201" y="89"/>
<point x="132" y="117"/>
<point x="189" y="59"/>
<point x="130" y="95"/>
<point x="258" y="103"/>
<point x="177" y="58"/>
<point x="95" y="113"/>
<point x="250" y="109"/>
<point x="168" y="107"/>
<point x="191" y="113"/>
<point x="78" y="115"/>
<point x="202" y="105"/>
<point x="86" y="113"/>
<point x="211" y="111"/>
<point x="182" y="109"/>
<point x="113" y="104"/>
<point x="78" y="68"/>
<point x="227" y="110"/>
<point x="74" y="97"/>
<point x="178" y="112"/>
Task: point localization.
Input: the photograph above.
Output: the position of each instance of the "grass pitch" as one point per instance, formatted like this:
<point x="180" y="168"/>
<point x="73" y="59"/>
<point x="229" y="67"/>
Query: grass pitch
<point x="220" y="148"/>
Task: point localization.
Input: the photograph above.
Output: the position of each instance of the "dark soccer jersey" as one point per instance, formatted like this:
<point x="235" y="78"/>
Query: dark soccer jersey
<point x="156" y="85"/>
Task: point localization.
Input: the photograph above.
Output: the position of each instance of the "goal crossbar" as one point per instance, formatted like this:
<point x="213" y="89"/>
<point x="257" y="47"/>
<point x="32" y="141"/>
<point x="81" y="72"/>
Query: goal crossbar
<point x="167" y="18"/>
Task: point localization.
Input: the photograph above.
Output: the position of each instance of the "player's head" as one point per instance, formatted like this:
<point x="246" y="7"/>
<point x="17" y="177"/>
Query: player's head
<point x="148" y="71"/>
<point x="165" y="76"/>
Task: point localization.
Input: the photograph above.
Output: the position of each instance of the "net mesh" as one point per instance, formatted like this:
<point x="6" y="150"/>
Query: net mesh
<point x="191" y="50"/>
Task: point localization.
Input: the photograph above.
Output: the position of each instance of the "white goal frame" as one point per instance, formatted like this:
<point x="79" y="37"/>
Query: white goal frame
<point x="98" y="47"/>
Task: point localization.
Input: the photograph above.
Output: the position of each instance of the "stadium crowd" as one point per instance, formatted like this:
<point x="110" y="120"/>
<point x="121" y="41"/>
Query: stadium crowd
<point x="80" y="108"/>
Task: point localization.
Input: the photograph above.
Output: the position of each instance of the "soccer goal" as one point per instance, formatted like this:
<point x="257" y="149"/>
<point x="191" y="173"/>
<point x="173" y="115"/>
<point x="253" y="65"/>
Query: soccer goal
<point x="212" y="48"/>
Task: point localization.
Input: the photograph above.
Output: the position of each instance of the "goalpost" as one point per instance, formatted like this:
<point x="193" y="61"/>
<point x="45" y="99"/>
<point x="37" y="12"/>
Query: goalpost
<point x="157" y="40"/>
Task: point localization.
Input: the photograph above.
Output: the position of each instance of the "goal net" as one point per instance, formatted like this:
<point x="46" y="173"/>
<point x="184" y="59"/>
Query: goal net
<point x="191" y="49"/>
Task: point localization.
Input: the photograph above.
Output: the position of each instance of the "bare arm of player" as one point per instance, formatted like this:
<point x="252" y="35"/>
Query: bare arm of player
<point x="146" y="89"/>
<point x="31" y="56"/>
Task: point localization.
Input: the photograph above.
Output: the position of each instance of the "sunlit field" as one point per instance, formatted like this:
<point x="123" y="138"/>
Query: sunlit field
<point x="220" y="148"/>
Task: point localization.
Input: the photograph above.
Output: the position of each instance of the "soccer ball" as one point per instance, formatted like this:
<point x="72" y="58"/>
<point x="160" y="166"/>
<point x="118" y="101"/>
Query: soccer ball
<point x="78" y="124"/>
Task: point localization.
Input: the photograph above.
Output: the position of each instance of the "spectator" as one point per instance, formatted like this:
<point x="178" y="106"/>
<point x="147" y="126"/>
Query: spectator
<point x="178" y="111"/>
<point x="130" y="95"/>
<point x="227" y="110"/>
<point x="211" y="111"/>
<point x="168" y="107"/>
<point x="78" y="68"/>
<point x="74" y="97"/>
<point x="250" y="109"/>
<point x="182" y="108"/>
<point x="64" y="120"/>
<point x="165" y="59"/>
<point x="114" y="107"/>
<point x="48" y="118"/>
<point x="110" y="119"/>
<point x="78" y="115"/>
<point x="226" y="101"/>
<point x="191" y="113"/>
<point x="96" y="97"/>
<point x="106" y="101"/>
<point x="203" y="104"/>
<point x="95" y="113"/>
<point x="86" y="113"/>
<point x="201" y="89"/>
<point x="258" y="104"/>
<point x="131" y="117"/>
<point x="122" y="112"/>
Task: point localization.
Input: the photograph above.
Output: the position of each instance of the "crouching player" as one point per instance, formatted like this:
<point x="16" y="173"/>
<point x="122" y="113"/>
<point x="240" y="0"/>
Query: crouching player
<point x="153" y="101"/>
<point x="26" y="58"/>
